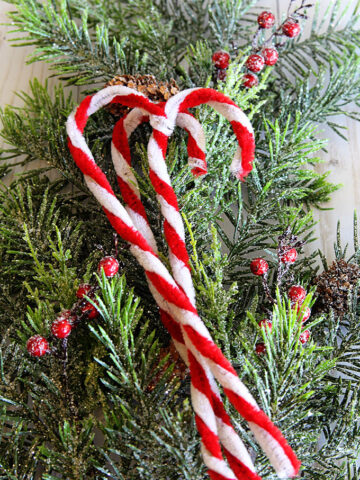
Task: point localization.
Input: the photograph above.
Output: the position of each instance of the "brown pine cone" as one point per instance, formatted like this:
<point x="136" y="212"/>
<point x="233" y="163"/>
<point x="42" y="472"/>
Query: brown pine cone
<point x="146" y="84"/>
<point x="333" y="287"/>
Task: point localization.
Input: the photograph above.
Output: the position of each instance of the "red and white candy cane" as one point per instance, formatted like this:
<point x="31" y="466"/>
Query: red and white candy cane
<point x="165" y="289"/>
<point x="213" y="410"/>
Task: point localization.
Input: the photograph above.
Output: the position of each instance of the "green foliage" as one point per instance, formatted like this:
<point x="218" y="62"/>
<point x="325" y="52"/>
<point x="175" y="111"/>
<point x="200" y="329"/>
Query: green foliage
<point x="37" y="233"/>
<point x="38" y="133"/>
<point x="93" y="42"/>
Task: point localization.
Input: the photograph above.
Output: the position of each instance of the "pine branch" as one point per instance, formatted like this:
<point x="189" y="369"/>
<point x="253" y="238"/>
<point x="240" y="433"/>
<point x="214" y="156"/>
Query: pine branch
<point x="79" y="55"/>
<point x="37" y="131"/>
<point x="330" y="37"/>
<point x="327" y="95"/>
<point x="142" y="420"/>
<point x="286" y="377"/>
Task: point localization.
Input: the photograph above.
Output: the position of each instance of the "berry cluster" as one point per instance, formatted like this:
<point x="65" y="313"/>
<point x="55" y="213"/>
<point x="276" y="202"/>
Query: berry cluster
<point x="287" y="255"/>
<point x="264" y="52"/>
<point x="267" y="52"/>
<point x="62" y="326"/>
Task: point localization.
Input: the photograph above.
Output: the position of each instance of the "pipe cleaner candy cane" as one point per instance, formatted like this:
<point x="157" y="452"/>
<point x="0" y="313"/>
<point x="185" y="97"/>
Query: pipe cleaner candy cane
<point x="205" y="359"/>
<point x="235" y="450"/>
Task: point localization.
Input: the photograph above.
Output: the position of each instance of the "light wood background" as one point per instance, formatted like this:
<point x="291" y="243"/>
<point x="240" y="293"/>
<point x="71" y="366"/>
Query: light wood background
<point x="341" y="159"/>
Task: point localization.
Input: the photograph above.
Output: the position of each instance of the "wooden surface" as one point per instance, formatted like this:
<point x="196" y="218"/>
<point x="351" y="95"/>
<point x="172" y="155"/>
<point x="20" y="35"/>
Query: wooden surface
<point x="342" y="158"/>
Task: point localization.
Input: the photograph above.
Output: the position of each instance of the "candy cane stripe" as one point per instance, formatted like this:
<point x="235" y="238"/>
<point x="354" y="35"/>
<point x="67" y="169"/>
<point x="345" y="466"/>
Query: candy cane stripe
<point x="128" y="234"/>
<point x="285" y="465"/>
<point x="242" y="471"/>
<point x="82" y="114"/>
<point x="208" y="349"/>
<point x="218" y="469"/>
<point x="126" y="96"/>
<point x="170" y="293"/>
<point x="209" y="438"/>
<point x="196" y="143"/>
<point x="163" y="189"/>
<point x="176" y="244"/>
<point x="233" y="114"/>
<point x="131" y="198"/>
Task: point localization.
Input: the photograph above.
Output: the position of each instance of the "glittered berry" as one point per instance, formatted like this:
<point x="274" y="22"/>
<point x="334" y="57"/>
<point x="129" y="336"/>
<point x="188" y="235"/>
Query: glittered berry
<point x="305" y="314"/>
<point x="221" y="74"/>
<point x="37" y="346"/>
<point x="255" y="63"/>
<point x="260" y="348"/>
<point x="289" y="256"/>
<point x="297" y="293"/>
<point x="110" y="266"/>
<point x="250" y="80"/>
<point x="271" y="55"/>
<point x="259" y="266"/>
<point x="61" y="328"/>
<point x="90" y="310"/>
<point x="291" y="29"/>
<point x="304" y="336"/>
<point x="221" y="59"/>
<point x="265" y="323"/>
<point x="266" y="20"/>
<point x="84" y="289"/>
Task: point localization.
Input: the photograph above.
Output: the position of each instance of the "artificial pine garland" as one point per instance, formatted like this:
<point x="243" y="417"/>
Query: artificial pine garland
<point x="107" y="375"/>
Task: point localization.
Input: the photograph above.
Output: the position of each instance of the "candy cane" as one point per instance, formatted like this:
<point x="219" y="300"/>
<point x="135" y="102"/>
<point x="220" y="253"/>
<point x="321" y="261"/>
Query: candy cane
<point x="235" y="450"/>
<point x="269" y="437"/>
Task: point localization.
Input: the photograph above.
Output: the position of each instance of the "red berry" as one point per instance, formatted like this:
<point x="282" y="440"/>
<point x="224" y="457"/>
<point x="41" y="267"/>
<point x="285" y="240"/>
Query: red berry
<point x="110" y="266"/>
<point x="83" y="289"/>
<point x="304" y="336"/>
<point x="260" y="348"/>
<point x="250" y="80"/>
<point x="266" y="20"/>
<point x="265" y="322"/>
<point x="255" y="63"/>
<point x="61" y="328"/>
<point x="221" y="74"/>
<point x="90" y="310"/>
<point x="291" y="29"/>
<point x="221" y="59"/>
<point x="289" y="256"/>
<point x="305" y="315"/>
<point x="37" y="346"/>
<point x="297" y="293"/>
<point x="259" y="266"/>
<point x="271" y="55"/>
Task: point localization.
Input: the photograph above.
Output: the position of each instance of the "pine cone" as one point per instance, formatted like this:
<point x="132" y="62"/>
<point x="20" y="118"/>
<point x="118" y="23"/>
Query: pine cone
<point x="146" y="84"/>
<point x="333" y="287"/>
